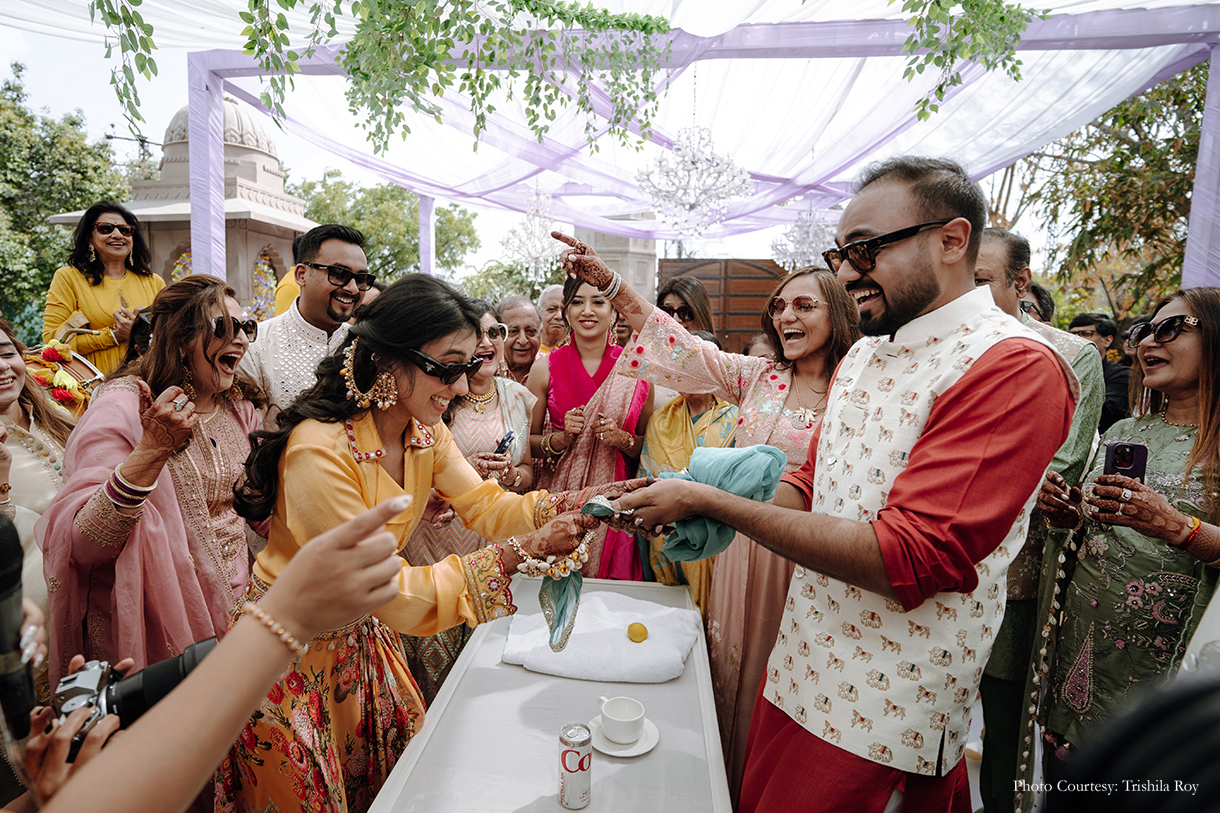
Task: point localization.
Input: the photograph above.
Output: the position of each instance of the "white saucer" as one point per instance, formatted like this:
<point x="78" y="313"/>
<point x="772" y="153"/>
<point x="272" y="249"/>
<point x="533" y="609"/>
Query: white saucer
<point x="647" y="741"/>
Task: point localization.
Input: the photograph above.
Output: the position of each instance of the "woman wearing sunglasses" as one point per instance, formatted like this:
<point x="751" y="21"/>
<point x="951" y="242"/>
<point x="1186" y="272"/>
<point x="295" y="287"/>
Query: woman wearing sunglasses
<point x="144" y="552"/>
<point x="811" y="321"/>
<point x="588" y="424"/>
<point x="94" y="299"/>
<point x="479" y="421"/>
<point x="328" y="734"/>
<point x="1137" y="573"/>
<point x="685" y="299"/>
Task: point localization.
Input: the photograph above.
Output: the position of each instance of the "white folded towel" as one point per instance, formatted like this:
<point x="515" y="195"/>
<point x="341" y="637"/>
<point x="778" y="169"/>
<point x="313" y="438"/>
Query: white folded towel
<point x="599" y="648"/>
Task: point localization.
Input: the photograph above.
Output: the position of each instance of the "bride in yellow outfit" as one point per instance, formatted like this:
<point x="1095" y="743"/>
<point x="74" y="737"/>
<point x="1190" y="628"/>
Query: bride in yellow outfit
<point x="328" y="734"/>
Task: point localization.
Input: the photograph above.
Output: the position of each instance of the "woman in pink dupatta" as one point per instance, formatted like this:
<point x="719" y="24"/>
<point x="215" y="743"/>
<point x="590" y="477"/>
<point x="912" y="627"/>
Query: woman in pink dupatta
<point x="144" y="578"/>
<point x="588" y="423"/>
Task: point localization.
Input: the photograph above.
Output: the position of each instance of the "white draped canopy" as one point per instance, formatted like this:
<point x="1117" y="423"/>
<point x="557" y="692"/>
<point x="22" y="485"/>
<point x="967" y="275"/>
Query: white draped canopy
<point x="801" y="95"/>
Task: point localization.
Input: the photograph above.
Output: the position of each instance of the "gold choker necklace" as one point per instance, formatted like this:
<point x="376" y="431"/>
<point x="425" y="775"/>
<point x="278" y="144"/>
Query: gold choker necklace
<point x="480" y="402"/>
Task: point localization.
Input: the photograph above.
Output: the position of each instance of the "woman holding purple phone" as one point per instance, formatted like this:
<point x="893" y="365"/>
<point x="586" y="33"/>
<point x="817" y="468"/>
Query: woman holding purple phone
<point x="480" y="421"/>
<point x="1121" y="596"/>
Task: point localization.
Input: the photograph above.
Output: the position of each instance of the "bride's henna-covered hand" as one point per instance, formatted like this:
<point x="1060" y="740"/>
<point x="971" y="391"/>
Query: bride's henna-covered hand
<point x="559" y="536"/>
<point x="1145" y="512"/>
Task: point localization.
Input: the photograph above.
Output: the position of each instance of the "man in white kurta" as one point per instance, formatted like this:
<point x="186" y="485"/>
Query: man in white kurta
<point x="284" y="358"/>
<point x="938" y="428"/>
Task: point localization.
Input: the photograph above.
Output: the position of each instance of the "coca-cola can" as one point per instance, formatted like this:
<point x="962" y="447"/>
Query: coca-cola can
<point x="575" y="765"/>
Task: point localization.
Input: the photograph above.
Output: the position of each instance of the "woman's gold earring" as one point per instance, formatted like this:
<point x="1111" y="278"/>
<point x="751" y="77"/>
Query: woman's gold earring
<point x="188" y="381"/>
<point x="385" y="391"/>
<point x="92" y="254"/>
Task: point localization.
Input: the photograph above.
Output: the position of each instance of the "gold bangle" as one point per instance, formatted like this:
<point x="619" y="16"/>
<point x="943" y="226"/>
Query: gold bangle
<point x="548" y="448"/>
<point x="277" y="630"/>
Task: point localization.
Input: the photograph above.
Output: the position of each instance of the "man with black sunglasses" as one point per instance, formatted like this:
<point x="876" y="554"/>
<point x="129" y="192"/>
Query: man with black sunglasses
<point x="915" y="496"/>
<point x="332" y="273"/>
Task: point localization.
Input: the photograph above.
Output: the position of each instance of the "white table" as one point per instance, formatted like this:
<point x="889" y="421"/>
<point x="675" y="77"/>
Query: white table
<point x="490" y="741"/>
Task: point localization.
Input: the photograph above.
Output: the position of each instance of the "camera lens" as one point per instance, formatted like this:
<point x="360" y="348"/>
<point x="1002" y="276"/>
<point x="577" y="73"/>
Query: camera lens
<point x="134" y="695"/>
<point x="1124" y="457"/>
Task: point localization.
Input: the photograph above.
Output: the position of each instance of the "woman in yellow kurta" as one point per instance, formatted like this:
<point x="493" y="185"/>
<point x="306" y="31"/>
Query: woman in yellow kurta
<point x="328" y="734"/>
<point x="107" y="279"/>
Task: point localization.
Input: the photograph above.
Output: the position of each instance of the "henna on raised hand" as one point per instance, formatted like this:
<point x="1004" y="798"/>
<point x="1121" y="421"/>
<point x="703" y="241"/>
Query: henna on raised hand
<point x="582" y="261"/>
<point x="1146" y="512"/>
<point x="165" y="432"/>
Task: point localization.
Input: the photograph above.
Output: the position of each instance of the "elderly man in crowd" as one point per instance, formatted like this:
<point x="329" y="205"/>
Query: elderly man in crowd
<point x="550" y="306"/>
<point x="1003" y="264"/>
<point x="1101" y="331"/>
<point x="332" y="273"/>
<point x="520" y="315"/>
<point x="938" y="428"/>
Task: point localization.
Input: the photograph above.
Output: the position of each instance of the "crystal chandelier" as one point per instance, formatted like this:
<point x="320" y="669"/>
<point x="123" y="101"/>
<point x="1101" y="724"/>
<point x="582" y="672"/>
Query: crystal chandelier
<point x="802" y="245"/>
<point x="530" y="240"/>
<point x="691" y="186"/>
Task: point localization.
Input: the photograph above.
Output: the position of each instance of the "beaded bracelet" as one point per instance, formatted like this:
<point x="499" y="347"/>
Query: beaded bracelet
<point x="277" y="630"/>
<point x="555" y="566"/>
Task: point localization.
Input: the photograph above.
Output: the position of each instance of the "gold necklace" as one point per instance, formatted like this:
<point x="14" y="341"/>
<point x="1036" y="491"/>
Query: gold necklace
<point x="480" y="402"/>
<point x="803" y="417"/>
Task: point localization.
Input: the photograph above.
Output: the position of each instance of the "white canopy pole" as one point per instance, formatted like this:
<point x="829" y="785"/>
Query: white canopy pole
<point x="1202" y="263"/>
<point x="207" y="154"/>
<point x="427" y="235"/>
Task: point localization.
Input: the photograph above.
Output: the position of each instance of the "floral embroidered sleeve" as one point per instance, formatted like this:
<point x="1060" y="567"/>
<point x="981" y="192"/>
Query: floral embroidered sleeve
<point x="665" y="354"/>
<point x="488" y="583"/>
<point x="100" y="522"/>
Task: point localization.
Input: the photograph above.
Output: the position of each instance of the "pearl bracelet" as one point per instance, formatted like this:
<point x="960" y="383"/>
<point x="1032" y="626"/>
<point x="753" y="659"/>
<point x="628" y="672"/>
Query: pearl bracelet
<point x="555" y="566"/>
<point x="277" y="630"/>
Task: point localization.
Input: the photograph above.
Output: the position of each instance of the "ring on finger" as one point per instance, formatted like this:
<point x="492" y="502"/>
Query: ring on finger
<point x="179" y="404"/>
<point x="1120" y="509"/>
<point x="1126" y="495"/>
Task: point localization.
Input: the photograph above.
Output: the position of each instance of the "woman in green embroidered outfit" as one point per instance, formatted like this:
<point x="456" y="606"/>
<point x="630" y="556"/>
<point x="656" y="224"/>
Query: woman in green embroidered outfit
<point x="1145" y="566"/>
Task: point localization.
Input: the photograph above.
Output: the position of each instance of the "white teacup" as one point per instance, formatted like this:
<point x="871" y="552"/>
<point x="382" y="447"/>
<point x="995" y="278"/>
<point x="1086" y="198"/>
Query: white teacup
<point x="622" y="719"/>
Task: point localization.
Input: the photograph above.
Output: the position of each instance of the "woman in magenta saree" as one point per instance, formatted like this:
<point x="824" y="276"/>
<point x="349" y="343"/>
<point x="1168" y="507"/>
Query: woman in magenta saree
<point x="588" y="423"/>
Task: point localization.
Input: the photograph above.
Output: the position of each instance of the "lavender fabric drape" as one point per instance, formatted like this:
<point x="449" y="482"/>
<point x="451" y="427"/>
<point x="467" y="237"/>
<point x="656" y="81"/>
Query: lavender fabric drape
<point x="800" y="95"/>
